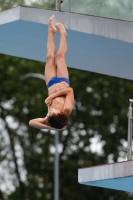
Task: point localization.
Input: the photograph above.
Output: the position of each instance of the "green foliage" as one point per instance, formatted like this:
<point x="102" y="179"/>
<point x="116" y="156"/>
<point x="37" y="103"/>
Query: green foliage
<point x="100" y="111"/>
<point x="6" y="4"/>
<point x="118" y="9"/>
<point x="44" y="4"/>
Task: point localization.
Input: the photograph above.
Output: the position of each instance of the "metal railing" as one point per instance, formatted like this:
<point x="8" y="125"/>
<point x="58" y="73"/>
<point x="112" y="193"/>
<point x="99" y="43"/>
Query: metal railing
<point x="130" y="130"/>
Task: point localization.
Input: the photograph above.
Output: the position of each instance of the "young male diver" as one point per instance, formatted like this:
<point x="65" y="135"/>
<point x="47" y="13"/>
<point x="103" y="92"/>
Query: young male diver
<point x="60" y="95"/>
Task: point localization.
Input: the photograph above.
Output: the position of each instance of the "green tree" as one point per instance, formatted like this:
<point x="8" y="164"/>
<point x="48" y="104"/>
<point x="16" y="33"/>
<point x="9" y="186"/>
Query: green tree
<point x="20" y="112"/>
<point x="97" y="113"/>
<point x="51" y="4"/>
<point x="6" y="4"/>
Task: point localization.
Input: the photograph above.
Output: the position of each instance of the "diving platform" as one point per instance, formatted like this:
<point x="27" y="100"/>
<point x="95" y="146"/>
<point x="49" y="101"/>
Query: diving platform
<point x="95" y="44"/>
<point x="117" y="176"/>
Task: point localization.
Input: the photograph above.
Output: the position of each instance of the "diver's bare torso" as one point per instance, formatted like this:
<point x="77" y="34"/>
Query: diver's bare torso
<point x="58" y="102"/>
<point x="57" y="87"/>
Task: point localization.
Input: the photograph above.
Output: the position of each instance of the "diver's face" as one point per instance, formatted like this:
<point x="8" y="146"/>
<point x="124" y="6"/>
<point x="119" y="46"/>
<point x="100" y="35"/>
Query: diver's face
<point x="54" y="111"/>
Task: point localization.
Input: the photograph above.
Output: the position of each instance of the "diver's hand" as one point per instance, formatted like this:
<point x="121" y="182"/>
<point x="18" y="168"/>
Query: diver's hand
<point x="48" y="101"/>
<point x="62" y="128"/>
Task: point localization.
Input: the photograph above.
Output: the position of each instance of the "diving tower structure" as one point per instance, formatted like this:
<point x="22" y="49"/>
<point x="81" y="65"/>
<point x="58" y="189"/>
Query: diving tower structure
<point x="95" y="44"/>
<point x="117" y="176"/>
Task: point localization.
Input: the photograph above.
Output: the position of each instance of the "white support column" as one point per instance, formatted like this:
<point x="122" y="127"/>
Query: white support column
<point x="56" y="4"/>
<point x="59" y="4"/>
<point x="56" y="167"/>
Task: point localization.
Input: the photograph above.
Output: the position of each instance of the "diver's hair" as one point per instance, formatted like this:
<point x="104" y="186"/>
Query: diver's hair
<point x="58" y="120"/>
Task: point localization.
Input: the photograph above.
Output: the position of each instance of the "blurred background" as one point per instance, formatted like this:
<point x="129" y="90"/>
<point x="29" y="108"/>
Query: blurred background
<point x="98" y="131"/>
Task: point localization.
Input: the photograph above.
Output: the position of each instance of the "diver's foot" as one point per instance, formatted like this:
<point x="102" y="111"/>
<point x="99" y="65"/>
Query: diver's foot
<point x="51" y="27"/>
<point x="61" y="28"/>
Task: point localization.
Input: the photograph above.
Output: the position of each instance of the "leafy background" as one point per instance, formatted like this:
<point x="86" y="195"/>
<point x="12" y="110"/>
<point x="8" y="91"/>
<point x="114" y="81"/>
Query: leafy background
<point x="97" y="134"/>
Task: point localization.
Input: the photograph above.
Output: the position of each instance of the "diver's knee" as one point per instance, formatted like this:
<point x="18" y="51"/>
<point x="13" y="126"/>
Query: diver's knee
<point x="50" y="58"/>
<point x="60" y="56"/>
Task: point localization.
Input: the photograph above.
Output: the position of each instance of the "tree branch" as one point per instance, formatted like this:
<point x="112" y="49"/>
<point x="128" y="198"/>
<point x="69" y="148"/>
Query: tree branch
<point x="12" y="143"/>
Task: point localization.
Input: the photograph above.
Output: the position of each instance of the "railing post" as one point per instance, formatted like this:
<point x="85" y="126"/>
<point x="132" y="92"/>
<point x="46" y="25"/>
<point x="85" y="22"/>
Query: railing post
<point x="59" y="4"/>
<point x="69" y="5"/>
<point x="130" y="130"/>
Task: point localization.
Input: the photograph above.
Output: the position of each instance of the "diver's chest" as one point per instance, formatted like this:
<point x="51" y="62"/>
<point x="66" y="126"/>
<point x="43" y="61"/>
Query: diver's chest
<point x="57" y="87"/>
<point x="59" y="100"/>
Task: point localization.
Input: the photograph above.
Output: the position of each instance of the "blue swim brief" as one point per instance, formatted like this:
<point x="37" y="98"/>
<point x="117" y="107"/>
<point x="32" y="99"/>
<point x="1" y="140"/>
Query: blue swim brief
<point x="55" y="80"/>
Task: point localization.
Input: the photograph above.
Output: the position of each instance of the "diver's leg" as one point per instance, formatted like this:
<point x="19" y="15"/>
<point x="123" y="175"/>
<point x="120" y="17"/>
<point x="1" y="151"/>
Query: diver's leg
<point x="50" y="68"/>
<point x="60" y="57"/>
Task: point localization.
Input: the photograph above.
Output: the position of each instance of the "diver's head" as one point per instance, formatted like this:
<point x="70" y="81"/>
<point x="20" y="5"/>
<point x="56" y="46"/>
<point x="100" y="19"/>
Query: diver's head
<point x="58" y="120"/>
